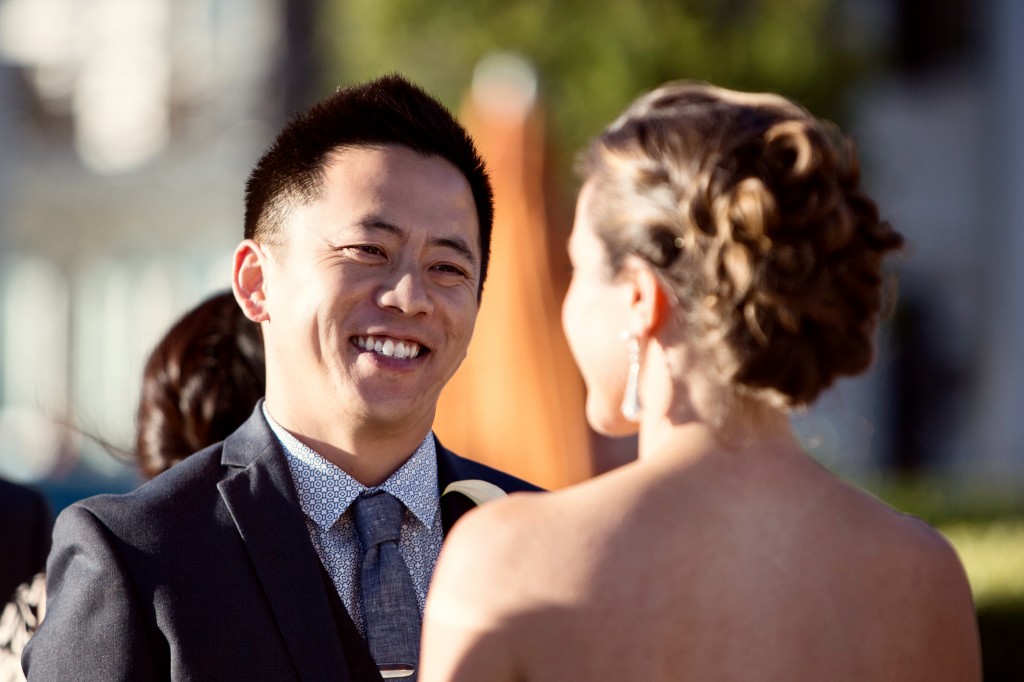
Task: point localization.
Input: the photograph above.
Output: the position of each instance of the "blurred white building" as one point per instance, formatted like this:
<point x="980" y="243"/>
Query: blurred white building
<point x="128" y="128"/>
<point x="942" y="139"/>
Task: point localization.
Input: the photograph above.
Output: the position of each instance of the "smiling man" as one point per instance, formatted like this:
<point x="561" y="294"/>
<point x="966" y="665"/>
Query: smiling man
<point x="301" y="547"/>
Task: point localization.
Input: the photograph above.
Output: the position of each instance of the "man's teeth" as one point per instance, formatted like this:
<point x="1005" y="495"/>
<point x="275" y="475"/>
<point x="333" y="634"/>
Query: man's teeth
<point x="389" y="347"/>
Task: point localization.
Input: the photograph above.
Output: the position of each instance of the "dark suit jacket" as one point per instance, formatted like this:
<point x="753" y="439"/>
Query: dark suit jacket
<point x="25" y="527"/>
<point x="206" y="573"/>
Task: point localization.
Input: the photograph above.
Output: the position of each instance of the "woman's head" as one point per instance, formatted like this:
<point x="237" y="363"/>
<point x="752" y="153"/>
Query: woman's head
<point x="200" y="383"/>
<point x="750" y="214"/>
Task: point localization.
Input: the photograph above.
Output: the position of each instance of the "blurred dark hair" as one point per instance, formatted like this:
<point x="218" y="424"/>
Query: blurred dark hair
<point x="200" y="383"/>
<point x="388" y="110"/>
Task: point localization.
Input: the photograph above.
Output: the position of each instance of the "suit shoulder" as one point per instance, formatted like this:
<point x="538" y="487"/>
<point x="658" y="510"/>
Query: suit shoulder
<point x="174" y="491"/>
<point x="461" y="468"/>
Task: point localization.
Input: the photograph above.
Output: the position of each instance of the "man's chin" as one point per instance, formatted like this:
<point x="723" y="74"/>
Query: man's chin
<point x="392" y="411"/>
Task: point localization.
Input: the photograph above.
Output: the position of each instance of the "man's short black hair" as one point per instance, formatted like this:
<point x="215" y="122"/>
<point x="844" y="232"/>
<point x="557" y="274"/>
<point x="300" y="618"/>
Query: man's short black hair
<point x="388" y="110"/>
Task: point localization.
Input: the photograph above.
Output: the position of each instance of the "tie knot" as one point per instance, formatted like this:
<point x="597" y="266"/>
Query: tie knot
<point x="378" y="518"/>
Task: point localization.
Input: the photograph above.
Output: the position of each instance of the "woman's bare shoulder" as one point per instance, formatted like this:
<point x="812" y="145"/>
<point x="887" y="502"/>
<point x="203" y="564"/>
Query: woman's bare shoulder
<point x="938" y="604"/>
<point x="483" y="554"/>
<point x="507" y="555"/>
<point x="483" y="585"/>
<point x="914" y="575"/>
<point x="898" y="536"/>
<point x="501" y="534"/>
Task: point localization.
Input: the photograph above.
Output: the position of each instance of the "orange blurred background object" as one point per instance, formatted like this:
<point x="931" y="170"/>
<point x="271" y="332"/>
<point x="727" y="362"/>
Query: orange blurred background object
<point x="517" y="402"/>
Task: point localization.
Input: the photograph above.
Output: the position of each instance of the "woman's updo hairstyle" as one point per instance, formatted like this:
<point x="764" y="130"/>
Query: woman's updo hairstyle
<point x="751" y="213"/>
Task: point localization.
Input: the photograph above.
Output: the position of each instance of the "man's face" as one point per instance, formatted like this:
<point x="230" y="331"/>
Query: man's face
<point x="372" y="296"/>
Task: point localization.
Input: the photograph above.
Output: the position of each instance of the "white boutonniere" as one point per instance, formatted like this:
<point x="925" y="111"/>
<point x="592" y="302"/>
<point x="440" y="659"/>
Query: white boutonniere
<point x="481" y="492"/>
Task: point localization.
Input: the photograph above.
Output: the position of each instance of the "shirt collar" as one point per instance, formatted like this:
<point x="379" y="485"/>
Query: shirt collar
<point x="414" y="483"/>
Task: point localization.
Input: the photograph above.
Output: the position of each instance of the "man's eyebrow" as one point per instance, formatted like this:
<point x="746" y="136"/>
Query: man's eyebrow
<point x="373" y="222"/>
<point x="456" y="244"/>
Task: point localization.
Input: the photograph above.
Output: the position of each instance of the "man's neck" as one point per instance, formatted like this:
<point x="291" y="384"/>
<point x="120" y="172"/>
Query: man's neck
<point x="368" y="454"/>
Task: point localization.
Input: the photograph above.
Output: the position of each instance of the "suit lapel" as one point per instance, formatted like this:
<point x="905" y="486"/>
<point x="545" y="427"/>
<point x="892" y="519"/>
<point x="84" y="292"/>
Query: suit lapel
<point x="262" y="500"/>
<point x="451" y="468"/>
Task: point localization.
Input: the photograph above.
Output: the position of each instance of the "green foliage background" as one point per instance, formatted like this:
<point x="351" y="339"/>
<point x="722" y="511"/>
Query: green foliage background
<point x="594" y="56"/>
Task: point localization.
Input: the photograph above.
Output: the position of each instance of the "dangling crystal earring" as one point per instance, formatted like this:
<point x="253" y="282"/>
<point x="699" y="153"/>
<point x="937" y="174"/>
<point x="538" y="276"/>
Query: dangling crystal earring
<point x="631" y="400"/>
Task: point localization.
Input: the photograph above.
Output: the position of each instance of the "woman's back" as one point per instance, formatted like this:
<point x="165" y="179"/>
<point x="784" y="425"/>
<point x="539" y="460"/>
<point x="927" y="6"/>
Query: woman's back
<point x="726" y="268"/>
<point x="734" y="566"/>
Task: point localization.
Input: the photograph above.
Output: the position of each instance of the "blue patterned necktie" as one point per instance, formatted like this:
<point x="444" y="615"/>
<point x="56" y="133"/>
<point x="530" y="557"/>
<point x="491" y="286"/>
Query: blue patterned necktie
<point x="389" y="599"/>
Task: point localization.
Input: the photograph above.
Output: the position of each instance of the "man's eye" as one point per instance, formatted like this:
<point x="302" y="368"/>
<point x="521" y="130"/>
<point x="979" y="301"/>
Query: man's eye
<point x="448" y="268"/>
<point x="364" y="250"/>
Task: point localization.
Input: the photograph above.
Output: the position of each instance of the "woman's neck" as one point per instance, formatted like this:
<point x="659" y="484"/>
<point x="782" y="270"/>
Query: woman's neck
<point x="686" y="416"/>
<point x="684" y="435"/>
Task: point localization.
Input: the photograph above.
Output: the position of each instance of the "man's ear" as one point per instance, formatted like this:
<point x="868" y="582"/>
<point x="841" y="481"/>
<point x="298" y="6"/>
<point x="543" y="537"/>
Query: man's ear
<point x="248" y="281"/>
<point x="649" y="305"/>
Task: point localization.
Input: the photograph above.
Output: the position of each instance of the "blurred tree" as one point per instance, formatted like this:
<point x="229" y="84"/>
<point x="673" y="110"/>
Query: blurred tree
<point x="594" y="56"/>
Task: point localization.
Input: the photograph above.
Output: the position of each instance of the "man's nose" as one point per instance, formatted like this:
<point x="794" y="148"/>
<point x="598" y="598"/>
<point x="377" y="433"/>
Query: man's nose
<point x="405" y="291"/>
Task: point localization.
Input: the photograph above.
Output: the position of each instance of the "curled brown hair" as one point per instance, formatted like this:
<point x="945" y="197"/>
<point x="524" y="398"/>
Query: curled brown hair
<point x="751" y="212"/>
<point x="200" y="383"/>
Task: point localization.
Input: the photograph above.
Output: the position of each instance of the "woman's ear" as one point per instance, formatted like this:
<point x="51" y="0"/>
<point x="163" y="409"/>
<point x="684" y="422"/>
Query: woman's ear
<point x="649" y="307"/>
<point x="248" y="280"/>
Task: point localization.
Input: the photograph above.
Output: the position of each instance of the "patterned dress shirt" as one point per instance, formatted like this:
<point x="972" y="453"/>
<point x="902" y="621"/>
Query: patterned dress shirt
<point x="325" y="494"/>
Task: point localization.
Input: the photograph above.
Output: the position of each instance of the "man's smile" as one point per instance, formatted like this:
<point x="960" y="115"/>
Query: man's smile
<point x="389" y="347"/>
